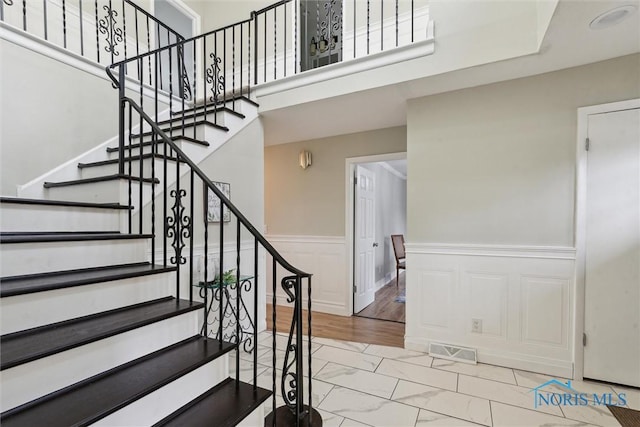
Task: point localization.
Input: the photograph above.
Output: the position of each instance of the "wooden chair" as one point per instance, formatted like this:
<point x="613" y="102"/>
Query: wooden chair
<point x="398" y="249"/>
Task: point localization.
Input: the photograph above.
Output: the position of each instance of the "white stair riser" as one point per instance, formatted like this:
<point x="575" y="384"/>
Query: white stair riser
<point x="189" y="148"/>
<point x="16" y="217"/>
<point x="219" y="117"/>
<point x="41" y="308"/>
<point x="166" y="400"/>
<point x="31" y="380"/>
<point x="101" y="192"/>
<point x="111" y="169"/>
<point x="30" y="258"/>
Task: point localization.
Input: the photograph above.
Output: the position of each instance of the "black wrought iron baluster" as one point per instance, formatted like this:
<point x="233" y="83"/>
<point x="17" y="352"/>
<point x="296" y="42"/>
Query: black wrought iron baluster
<point x="121" y="96"/>
<point x="275" y="42"/>
<point x="224" y="70"/>
<point x="148" y="50"/>
<point x="249" y="59"/>
<point x="284" y="59"/>
<point x="204" y="74"/>
<point x="221" y="272"/>
<point x="330" y="27"/>
<point x="44" y="11"/>
<point x="368" y="21"/>
<point x="181" y="82"/>
<point x="110" y="11"/>
<point x="24" y="15"/>
<point x="255" y="62"/>
<point x="310" y="417"/>
<point x="170" y="51"/>
<point x="241" y="57"/>
<point x="124" y="28"/>
<point x="255" y="313"/>
<point x="205" y="217"/>
<point x="354" y="28"/>
<point x="81" y="27"/>
<point x="238" y="295"/>
<point x="64" y="23"/>
<point x="129" y="172"/>
<point x="195" y="89"/>
<point x="161" y="61"/>
<point x="264" y="59"/>
<point x="295" y="37"/>
<point x="273" y="344"/>
<point x="154" y="150"/>
<point x="381" y="25"/>
<point x="193" y="216"/>
<point x="140" y="161"/>
<point x="233" y="68"/>
<point x="97" y="34"/>
<point x="299" y="361"/>
<point x="396" y="23"/>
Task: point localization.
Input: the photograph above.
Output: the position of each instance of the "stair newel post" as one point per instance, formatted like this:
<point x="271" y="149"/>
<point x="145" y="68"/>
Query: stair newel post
<point x="310" y="416"/>
<point x="298" y="354"/>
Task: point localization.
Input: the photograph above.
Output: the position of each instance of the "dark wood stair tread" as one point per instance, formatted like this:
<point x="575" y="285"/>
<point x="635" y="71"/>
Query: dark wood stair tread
<point x="127" y="159"/>
<point x="189" y="115"/>
<point x="94" y="398"/>
<point x="65" y="236"/>
<point x="45" y="202"/>
<point x="26" y="284"/>
<point x="158" y="142"/>
<point x="186" y="125"/>
<point x="113" y="177"/>
<point x="211" y="106"/>
<point x="32" y="344"/>
<point x="224" y="405"/>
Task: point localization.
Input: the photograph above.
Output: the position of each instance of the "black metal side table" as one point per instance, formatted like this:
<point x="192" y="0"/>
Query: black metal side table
<point x="221" y="324"/>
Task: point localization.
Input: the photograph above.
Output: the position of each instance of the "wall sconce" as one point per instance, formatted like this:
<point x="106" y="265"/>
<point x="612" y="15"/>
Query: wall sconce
<point x="313" y="47"/>
<point x="305" y="159"/>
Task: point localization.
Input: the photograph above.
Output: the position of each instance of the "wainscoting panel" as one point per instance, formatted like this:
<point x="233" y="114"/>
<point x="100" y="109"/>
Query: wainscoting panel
<point x="325" y="258"/>
<point x="523" y="296"/>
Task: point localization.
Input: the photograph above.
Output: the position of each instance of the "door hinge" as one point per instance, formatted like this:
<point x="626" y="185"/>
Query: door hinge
<point x="586" y="144"/>
<point x="584" y="340"/>
<point x="355" y="180"/>
<point x="355" y="289"/>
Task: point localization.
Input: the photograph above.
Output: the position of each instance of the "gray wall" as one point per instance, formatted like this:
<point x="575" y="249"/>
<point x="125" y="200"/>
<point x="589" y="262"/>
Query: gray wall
<point x="391" y="217"/>
<point x="51" y="113"/>
<point x="495" y="164"/>
<point x="311" y="202"/>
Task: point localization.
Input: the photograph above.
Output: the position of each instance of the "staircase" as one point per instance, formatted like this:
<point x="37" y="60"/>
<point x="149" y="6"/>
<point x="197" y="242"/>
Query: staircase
<point x="92" y="331"/>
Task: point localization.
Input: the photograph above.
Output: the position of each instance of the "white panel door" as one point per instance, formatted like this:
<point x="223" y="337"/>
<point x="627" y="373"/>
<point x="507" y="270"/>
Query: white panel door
<point x="365" y="218"/>
<point x="612" y="275"/>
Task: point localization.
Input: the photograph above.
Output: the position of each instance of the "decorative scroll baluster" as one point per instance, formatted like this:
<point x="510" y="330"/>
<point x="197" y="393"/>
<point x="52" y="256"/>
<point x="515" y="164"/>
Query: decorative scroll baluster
<point x="107" y="26"/>
<point x="178" y="227"/>
<point x="215" y="77"/>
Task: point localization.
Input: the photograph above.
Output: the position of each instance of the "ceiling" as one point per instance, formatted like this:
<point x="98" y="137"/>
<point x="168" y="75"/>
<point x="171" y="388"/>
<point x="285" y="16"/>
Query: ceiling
<point x="568" y="42"/>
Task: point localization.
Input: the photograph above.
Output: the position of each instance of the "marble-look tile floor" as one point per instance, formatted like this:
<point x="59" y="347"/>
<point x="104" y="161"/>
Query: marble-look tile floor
<point x="356" y="384"/>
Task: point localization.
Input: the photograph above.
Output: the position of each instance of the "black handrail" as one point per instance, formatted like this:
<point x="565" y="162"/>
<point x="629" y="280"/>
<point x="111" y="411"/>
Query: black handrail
<point x="184" y="158"/>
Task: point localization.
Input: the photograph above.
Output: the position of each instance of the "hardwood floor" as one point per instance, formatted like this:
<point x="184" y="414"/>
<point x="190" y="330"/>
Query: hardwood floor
<point x="385" y="307"/>
<point x="358" y="329"/>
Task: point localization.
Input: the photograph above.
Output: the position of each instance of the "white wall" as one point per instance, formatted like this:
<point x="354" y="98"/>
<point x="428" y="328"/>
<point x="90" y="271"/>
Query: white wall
<point x="50" y="113"/>
<point x="491" y="189"/>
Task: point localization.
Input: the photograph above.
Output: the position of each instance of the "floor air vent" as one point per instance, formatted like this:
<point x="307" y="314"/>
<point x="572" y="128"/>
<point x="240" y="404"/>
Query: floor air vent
<point x="452" y="352"/>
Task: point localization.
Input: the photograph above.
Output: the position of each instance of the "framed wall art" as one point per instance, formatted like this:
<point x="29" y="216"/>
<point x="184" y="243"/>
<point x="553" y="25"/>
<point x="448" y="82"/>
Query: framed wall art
<point x="212" y="203"/>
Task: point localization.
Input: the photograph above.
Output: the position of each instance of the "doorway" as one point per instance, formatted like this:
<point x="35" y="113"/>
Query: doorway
<point x="376" y="211"/>
<point x="608" y="241"/>
<point x="186" y="22"/>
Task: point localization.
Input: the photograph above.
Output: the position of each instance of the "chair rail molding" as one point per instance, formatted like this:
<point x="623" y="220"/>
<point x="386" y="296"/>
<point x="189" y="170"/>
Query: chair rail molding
<point x="325" y="258"/>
